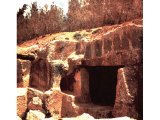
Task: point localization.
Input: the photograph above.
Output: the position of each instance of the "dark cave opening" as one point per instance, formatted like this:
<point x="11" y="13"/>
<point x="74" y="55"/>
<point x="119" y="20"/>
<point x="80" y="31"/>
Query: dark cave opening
<point x="102" y="84"/>
<point x="66" y="83"/>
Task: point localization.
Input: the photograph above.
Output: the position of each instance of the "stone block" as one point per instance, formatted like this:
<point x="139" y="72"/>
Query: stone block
<point x="31" y="93"/>
<point x="35" y="115"/>
<point x="21" y="101"/>
<point x="81" y="85"/>
<point x="23" y="72"/>
<point x="129" y="92"/>
<point x="53" y="102"/>
<point x="35" y="104"/>
<point x="69" y="108"/>
<point x="40" y="75"/>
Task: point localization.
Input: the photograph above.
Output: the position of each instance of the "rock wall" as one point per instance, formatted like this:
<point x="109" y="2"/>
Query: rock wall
<point x="121" y="45"/>
<point x="127" y="93"/>
<point x="40" y="77"/>
<point x="23" y="72"/>
<point x="59" y="81"/>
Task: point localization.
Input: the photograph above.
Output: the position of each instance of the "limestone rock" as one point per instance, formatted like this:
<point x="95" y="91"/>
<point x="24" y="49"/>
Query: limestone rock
<point x="28" y="50"/>
<point x="121" y="118"/>
<point x="86" y="116"/>
<point x="53" y="102"/>
<point x="70" y="109"/>
<point x="117" y="45"/>
<point x="60" y="49"/>
<point x="35" y="104"/>
<point x="72" y="65"/>
<point x="23" y="72"/>
<point x="35" y="115"/>
<point x="31" y="93"/>
<point x="74" y="60"/>
<point x="21" y="101"/>
<point x="59" y="69"/>
<point x="129" y="92"/>
<point x="18" y="118"/>
<point x="81" y="89"/>
<point x="40" y="74"/>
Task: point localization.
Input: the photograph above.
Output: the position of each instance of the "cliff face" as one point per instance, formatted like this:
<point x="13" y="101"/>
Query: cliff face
<point x="95" y="71"/>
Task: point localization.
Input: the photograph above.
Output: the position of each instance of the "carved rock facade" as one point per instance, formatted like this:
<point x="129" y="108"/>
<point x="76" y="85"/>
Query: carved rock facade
<point x="100" y="74"/>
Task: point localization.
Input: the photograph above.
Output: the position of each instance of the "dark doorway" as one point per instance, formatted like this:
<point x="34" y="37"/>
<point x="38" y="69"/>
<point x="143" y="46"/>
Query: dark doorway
<point x="66" y="84"/>
<point x="102" y="84"/>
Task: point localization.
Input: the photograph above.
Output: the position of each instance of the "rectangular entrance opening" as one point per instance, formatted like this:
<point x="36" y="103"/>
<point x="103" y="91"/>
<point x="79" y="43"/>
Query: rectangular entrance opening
<point x="102" y="84"/>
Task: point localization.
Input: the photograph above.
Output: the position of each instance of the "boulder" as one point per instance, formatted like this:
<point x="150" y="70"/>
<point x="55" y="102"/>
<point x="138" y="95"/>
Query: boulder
<point x="35" y="115"/>
<point x="31" y="93"/>
<point x="85" y="116"/>
<point x="53" y="102"/>
<point x="35" y="104"/>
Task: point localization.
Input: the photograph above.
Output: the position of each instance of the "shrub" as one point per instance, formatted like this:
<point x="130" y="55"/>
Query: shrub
<point x="77" y="36"/>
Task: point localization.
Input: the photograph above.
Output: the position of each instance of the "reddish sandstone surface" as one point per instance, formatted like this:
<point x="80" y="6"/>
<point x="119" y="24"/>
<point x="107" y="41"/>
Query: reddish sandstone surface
<point x="57" y="76"/>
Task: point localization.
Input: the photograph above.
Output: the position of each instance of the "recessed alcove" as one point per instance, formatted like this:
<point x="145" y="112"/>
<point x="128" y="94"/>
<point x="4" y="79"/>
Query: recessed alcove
<point x="66" y="83"/>
<point x="102" y="84"/>
<point x="97" y="83"/>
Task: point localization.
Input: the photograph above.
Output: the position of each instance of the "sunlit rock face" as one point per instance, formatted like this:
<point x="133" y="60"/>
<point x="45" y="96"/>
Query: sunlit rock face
<point x="99" y="74"/>
<point x="35" y="115"/>
<point x="118" y="45"/>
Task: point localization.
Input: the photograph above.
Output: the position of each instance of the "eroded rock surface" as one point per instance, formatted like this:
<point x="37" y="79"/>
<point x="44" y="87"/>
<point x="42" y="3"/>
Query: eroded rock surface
<point x="53" y="102"/>
<point x="21" y="101"/>
<point x="64" y="73"/>
<point x="35" y="115"/>
<point x="35" y="104"/>
<point x="23" y="72"/>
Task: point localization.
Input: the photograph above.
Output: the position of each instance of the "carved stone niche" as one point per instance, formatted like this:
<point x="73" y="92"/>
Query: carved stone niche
<point x="96" y="84"/>
<point x="102" y="82"/>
